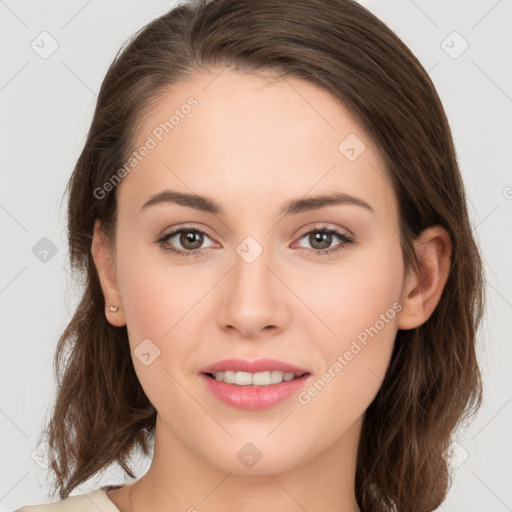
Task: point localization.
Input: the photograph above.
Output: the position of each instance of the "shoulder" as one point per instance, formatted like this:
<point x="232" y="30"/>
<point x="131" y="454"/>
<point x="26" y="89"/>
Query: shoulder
<point x="91" y="502"/>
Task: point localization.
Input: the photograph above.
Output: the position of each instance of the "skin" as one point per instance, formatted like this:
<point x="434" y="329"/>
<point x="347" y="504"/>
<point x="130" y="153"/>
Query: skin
<point x="252" y="144"/>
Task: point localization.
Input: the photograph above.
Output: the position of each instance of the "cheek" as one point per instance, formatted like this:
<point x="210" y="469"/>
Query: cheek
<point x="352" y="296"/>
<point x="358" y="308"/>
<point x="156" y="299"/>
<point x="161" y="302"/>
<point x="156" y="294"/>
<point x="354" y="361"/>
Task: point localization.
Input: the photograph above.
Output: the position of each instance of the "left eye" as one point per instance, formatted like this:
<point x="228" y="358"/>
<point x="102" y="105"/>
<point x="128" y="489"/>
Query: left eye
<point x="320" y="239"/>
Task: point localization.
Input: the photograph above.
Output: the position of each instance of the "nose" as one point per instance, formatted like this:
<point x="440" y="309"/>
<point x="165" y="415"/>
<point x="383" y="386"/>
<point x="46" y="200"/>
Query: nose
<point x="254" y="300"/>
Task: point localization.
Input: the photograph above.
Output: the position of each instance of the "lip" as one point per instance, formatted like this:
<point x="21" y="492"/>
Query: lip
<point x="254" y="398"/>
<point x="260" y="365"/>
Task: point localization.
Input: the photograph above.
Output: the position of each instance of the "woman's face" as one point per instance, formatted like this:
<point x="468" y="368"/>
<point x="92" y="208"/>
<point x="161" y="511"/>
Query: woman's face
<point x="253" y="279"/>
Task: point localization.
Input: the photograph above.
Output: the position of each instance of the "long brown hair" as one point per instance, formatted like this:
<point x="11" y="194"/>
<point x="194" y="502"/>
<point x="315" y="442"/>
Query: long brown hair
<point x="433" y="382"/>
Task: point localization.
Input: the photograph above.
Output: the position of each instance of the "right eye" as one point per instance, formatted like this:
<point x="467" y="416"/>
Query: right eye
<point x="190" y="239"/>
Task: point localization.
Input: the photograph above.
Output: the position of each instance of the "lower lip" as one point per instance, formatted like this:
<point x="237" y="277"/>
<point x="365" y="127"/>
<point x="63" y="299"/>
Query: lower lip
<point x="254" y="398"/>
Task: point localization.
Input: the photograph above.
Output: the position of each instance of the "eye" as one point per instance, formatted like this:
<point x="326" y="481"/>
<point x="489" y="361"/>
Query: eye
<point x="190" y="239"/>
<point x="321" y="238"/>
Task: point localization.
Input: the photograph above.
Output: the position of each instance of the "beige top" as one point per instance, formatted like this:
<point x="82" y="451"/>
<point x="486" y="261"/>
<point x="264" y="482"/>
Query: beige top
<point x="96" y="501"/>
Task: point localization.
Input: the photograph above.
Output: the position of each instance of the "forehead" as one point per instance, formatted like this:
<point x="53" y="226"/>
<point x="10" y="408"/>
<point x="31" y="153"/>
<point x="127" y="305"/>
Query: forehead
<point x="227" y="100"/>
<point x="223" y="132"/>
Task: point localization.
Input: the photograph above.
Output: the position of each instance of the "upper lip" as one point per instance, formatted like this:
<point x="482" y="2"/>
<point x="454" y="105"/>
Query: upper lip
<point x="260" y="365"/>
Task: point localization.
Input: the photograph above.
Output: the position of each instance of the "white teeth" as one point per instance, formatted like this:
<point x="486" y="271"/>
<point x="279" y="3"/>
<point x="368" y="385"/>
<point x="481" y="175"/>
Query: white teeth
<point x="229" y="377"/>
<point x="243" y="378"/>
<point x="276" y="377"/>
<point x="254" y="379"/>
<point x="261" y="379"/>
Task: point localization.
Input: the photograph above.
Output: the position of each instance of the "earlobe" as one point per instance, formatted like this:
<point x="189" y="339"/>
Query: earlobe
<point x="423" y="289"/>
<point x="104" y="260"/>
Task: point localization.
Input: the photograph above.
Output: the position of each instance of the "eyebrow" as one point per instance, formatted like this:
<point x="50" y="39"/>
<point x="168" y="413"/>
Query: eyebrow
<point x="292" y="207"/>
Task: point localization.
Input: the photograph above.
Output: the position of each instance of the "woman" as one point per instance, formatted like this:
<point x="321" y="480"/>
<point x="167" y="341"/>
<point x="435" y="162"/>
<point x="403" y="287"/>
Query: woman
<point x="282" y="288"/>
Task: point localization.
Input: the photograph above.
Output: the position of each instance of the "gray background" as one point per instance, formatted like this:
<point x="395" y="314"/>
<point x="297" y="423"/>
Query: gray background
<point x="47" y="105"/>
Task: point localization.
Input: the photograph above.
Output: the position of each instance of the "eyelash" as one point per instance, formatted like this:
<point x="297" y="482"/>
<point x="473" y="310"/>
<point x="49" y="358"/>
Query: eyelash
<point x="345" y="240"/>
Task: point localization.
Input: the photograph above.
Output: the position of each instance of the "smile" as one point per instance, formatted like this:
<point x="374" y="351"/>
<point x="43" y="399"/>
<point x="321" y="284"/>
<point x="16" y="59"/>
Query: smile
<point x="254" y="379"/>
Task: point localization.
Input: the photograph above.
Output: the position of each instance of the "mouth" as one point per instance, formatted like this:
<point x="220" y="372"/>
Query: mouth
<point x="258" y="379"/>
<point x="254" y="385"/>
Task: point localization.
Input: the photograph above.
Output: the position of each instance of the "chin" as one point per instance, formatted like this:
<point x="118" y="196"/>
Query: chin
<point x="257" y="455"/>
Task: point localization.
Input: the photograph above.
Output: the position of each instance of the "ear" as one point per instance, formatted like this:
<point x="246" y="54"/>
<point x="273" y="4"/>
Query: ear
<point x="104" y="260"/>
<point x="422" y="291"/>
